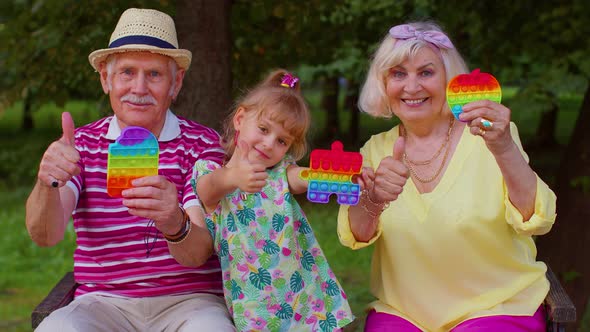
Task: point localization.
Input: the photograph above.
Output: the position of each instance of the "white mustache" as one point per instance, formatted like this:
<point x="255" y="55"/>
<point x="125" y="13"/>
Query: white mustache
<point x="148" y="99"/>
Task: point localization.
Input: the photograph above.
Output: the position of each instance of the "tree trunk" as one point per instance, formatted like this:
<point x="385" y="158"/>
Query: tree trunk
<point x="351" y="104"/>
<point x="547" y="125"/>
<point x="203" y="27"/>
<point x="545" y="134"/>
<point x="566" y="247"/>
<point x="329" y="104"/>
<point x="27" y="124"/>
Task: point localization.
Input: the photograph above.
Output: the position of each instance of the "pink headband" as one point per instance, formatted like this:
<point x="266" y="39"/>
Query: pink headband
<point x="407" y="32"/>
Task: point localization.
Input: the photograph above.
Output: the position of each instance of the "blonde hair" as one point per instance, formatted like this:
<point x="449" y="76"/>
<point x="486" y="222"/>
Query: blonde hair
<point x="283" y="105"/>
<point x="373" y="97"/>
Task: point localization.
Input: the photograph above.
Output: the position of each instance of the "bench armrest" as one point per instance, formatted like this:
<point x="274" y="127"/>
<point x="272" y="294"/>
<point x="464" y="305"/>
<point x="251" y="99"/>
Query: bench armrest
<point x="61" y="294"/>
<point x="560" y="308"/>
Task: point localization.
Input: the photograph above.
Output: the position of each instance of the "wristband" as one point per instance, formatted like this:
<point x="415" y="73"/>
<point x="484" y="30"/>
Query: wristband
<point x="184" y="230"/>
<point x="183" y="226"/>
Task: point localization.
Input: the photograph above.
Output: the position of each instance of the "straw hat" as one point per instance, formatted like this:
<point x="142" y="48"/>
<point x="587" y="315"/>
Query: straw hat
<point x="144" y="30"/>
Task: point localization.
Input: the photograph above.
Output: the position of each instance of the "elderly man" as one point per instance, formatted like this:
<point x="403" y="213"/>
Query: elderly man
<point x="123" y="262"/>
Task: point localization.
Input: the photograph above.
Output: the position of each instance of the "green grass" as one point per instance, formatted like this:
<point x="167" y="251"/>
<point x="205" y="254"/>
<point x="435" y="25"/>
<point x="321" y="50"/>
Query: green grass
<point x="48" y="117"/>
<point x="29" y="272"/>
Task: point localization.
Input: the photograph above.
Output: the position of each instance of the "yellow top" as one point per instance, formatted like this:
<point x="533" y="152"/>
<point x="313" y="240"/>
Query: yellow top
<point x="460" y="251"/>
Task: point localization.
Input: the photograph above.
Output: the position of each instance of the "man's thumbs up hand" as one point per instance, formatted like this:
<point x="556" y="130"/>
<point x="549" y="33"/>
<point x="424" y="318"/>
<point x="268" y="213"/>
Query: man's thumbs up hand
<point x="60" y="161"/>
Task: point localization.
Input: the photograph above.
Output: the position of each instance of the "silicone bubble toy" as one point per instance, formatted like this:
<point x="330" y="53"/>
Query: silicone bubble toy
<point x="330" y="173"/>
<point x="135" y="154"/>
<point x="465" y="88"/>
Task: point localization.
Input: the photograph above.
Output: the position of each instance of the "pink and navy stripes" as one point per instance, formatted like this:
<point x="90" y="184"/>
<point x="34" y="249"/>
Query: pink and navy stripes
<point x="111" y="244"/>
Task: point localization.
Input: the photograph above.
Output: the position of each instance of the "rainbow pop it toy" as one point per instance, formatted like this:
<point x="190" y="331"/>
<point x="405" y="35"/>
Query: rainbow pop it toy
<point x="330" y="173"/>
<point x="134" y="155"/>
<point x="465" y="88"/>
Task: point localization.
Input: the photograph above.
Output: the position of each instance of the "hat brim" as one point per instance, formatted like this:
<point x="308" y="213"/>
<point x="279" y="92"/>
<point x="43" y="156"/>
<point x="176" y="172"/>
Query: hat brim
<point x="182" y="57"/>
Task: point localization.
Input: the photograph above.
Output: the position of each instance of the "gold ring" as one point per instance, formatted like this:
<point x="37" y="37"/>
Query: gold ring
<point x="482" y="132"/>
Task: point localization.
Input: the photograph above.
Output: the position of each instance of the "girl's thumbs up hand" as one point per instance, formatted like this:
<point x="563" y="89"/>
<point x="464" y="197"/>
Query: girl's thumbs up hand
<point x="249" y="176"/>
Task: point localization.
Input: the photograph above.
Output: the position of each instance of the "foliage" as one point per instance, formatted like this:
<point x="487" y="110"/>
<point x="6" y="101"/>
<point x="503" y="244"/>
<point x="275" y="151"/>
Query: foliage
<point x="582" y="182"/>
<point x="44" y="46"/>
<point x="332" y="38"/>
<point x="28" y="271"/>
<point x="539" y="46"/>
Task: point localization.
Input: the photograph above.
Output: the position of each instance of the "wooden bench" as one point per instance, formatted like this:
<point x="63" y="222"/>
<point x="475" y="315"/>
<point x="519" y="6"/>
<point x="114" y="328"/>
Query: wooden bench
<point x="61" y="294"/>
<point x="560" y="308"/>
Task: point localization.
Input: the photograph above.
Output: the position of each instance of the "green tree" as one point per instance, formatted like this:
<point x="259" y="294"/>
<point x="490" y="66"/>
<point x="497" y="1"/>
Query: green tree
<point x="326" y="40"/>
<point x="44" y="47"/>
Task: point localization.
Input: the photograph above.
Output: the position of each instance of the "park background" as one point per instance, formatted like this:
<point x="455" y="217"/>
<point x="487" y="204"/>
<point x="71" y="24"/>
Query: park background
<point x="538" y="50"/>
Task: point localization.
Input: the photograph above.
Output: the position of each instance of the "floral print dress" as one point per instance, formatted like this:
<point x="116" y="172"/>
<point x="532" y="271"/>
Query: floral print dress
<point x="275" y="275"/>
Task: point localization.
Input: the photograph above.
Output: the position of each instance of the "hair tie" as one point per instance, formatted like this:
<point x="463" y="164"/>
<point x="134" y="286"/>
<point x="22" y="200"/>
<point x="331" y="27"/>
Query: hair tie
<point x="289" y="81"/>
<point x="408" y="32"/>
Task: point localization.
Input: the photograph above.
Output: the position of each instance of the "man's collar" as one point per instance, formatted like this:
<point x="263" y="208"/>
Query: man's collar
<point x="170" y="131"/>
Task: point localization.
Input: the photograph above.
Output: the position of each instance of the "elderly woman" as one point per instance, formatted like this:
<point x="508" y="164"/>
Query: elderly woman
<point x="450" y="205"/>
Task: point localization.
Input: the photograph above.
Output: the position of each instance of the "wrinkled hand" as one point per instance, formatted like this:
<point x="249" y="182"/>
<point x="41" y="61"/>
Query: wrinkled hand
<point x="249" y="176"/>
<point x="155" y="198"/>
<point x="60" y="160"/>
<point x="391" y="175"/>
<point x="491" y="121"/>
<point x="366" y="180"/>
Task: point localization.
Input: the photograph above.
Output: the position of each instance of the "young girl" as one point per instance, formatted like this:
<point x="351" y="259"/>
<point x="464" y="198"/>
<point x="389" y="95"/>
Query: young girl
<point x="275" y="275"/>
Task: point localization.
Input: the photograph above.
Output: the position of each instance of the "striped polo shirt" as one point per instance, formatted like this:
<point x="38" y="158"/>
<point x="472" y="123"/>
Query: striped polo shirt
<point x="111" y="255"/>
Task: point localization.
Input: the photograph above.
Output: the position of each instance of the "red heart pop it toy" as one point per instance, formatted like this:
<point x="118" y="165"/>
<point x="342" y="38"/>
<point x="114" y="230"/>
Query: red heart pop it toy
<point x="465" y="88"/>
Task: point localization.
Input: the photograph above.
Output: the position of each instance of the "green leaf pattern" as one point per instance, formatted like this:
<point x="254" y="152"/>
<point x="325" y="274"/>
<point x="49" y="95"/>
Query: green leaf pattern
<point x="236" y="290"/>
<point x="271" y="247"/>
<point x="333" y="289"/>
<point x="278" y="222"/>
<point x="265" y="245"/>
<point x="231" y="223"/>
<point x="246" y="215"/>
<point x="286" y="311"/>
<point x="260" y="279"/>
<point x="223" y="249"/>
<point x="307" y="261"/>
<point x="329" y="324"/>
<point x="296" y="282"/>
